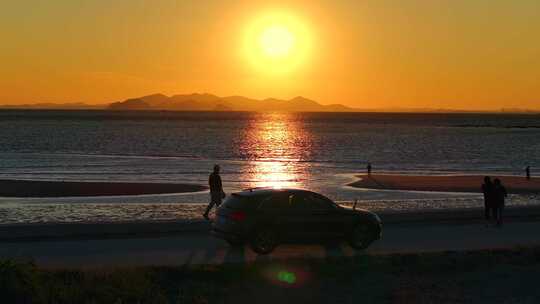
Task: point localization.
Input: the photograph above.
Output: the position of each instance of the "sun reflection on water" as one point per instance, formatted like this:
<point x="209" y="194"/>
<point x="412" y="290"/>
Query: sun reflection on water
<point x="276" y="144"/>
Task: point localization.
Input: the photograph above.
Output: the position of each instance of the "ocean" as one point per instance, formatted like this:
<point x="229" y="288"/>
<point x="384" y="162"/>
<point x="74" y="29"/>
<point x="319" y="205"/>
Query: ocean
<point x="317" y="151"/>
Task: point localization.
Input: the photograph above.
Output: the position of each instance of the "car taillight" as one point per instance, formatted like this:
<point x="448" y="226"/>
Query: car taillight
<point x="238" y="216"/>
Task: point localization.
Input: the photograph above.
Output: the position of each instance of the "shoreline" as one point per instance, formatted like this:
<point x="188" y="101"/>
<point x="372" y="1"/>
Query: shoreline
<point x="50" y="189"/>
<point x="443" y="183"/>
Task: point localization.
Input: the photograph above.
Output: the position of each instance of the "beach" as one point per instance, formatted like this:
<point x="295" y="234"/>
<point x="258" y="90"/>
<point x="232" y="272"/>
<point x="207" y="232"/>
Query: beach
<point x="444" y="183"/>
<point x="315" y="151"/>
<point x="30" y="188"/>
<point x="55" y="167"/>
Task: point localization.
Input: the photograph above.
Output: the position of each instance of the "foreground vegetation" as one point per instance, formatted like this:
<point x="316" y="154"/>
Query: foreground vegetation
<point x="498" y="276"/>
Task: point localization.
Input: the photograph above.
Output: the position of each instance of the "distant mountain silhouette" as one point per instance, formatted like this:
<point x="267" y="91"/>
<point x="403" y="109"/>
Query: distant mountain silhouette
<point x="209" y="102"/>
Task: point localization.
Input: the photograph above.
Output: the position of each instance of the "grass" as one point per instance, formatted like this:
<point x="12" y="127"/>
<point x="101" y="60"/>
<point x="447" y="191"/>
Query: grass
<point x="494" y="276"/>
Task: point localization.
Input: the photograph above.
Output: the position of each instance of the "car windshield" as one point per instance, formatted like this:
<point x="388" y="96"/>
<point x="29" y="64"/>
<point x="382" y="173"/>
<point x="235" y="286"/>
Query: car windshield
<point x="322" y="202"/>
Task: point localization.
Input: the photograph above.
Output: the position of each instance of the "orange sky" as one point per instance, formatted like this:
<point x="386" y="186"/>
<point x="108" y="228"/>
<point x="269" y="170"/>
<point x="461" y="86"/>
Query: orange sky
<point x="460" y="54"/>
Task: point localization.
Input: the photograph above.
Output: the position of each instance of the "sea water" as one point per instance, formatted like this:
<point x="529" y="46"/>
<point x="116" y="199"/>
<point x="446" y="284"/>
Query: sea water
<point x="316" y="151"/>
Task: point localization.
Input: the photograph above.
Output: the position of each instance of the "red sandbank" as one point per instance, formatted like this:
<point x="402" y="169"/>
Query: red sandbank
<point x="26" y="188"/>
<point x="444" y="183"/>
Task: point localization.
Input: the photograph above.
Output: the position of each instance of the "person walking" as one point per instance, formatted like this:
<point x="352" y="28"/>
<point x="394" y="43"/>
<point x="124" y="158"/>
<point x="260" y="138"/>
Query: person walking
<point x="368" y="168"/>
<point x="216" y="191"/>
<point x="499" y="196"/>
<point x="528" y="172"/>
<point x="487" y="189"/>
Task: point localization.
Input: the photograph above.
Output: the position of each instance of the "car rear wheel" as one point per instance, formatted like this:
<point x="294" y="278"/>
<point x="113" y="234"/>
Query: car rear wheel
<point x="264" y="241"/>
<point x="360" y="237"/>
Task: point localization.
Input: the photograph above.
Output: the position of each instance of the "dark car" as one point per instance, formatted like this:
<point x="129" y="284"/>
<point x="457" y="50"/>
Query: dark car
<point x="266" y="217"/>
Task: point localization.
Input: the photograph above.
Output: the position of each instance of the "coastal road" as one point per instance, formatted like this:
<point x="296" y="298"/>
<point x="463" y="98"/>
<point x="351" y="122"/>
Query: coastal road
<point x="201" y="248"/>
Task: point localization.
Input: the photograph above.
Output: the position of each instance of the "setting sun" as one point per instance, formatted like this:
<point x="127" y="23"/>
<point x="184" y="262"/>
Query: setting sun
<point x="277" y="43"/>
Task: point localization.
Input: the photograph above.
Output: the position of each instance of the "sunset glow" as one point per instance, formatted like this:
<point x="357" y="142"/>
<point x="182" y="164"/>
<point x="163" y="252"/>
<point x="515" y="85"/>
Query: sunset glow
<point x="242" y="151"/>
<point x="375" y="54"/>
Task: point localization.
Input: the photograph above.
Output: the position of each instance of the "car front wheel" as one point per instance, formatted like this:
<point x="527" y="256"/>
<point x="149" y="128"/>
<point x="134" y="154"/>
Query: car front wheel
<point x="264" y="241"/>
<point x="360" y="237"/>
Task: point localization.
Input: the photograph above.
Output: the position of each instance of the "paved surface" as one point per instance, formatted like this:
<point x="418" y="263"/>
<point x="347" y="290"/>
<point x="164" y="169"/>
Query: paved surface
<point x="201" y="248"/>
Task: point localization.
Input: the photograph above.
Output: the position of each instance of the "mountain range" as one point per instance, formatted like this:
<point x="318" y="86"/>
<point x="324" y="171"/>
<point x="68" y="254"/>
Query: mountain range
<point x="209" y="102"/>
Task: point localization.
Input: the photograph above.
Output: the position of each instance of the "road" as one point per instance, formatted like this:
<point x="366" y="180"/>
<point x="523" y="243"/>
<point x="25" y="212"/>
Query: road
<point x="201" y="248"/>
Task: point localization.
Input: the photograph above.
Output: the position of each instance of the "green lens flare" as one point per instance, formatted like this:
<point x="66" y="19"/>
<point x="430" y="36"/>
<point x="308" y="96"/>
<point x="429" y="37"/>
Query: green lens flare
<point x="287" y="277"/>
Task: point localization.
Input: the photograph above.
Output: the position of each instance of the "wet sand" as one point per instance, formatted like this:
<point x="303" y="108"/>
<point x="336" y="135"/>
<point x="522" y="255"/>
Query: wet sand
<point x="27" y="188"/>
<point x="444" y="183"/>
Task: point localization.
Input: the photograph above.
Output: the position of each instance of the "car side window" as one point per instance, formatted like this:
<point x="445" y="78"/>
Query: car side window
<point x="275" y="203"/>
<point x="310" y="202"/>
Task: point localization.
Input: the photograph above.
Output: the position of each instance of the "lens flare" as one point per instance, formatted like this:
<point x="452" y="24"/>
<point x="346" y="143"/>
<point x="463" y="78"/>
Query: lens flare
<point x="287" y="277"/>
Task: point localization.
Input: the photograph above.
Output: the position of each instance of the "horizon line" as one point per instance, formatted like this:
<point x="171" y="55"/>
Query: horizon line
<point x="81" y="105"/>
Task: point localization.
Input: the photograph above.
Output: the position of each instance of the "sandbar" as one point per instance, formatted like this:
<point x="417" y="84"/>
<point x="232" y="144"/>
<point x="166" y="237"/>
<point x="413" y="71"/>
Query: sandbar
<point x="444" y="183"/>
<point x="33" y="188"/>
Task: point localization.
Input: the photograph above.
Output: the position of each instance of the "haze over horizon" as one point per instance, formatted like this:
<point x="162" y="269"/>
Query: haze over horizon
<point x="212" y="102"/>
<point x="463" y="55"/>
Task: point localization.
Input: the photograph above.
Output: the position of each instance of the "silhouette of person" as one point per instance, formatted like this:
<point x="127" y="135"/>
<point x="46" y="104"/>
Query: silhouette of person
<point x="528" y="172"/>
<point x="499" y="195"/>
<point x="216" y="191"/>
<point x="368" y="168"/>
<point x="487" y="189"/>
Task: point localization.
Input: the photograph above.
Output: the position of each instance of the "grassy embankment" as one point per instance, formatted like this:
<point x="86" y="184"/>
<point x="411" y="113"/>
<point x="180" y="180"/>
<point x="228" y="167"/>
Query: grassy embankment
<point x="498" y="276"/>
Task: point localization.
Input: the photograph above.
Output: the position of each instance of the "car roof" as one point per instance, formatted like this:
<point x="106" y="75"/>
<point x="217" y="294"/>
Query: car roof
<point x="265" y="191"/>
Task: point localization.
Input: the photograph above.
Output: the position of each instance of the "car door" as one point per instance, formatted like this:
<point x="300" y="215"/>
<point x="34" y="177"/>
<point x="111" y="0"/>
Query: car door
<point x="308" y="218"/>
<point x="330" y="223"/>
<point x="298" y="220"/>
<point x="274" y="214"/>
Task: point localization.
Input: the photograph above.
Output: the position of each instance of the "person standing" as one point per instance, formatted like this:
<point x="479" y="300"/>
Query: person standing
<point x="528" y="172"/>
<point x="499" y="196"/>
<point x="368" y="168"/>
<point x="487" y="189"/>
<point x="216" y="191"/>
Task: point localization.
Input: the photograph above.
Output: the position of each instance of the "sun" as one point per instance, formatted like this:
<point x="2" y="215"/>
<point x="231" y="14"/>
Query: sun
<point x="277" y="43"/>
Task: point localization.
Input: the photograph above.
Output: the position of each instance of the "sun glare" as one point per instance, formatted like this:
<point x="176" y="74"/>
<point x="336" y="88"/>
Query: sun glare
<point x="275" y="143"/>
<point x="277" y="43"/>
